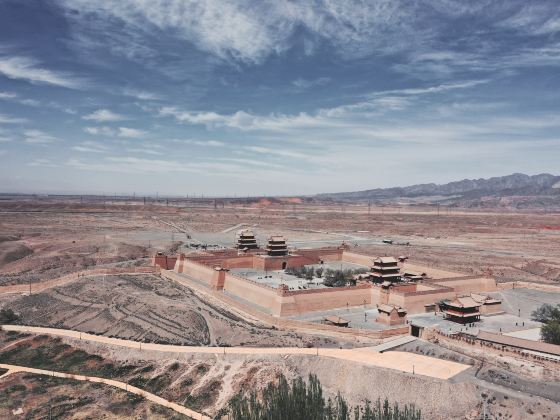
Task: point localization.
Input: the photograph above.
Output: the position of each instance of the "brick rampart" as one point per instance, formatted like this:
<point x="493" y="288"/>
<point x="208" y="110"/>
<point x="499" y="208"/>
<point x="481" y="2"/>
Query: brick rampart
<point x="288" y="323"/>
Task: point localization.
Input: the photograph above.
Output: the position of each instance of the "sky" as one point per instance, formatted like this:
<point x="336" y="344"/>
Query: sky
<point x="242" y="97"/>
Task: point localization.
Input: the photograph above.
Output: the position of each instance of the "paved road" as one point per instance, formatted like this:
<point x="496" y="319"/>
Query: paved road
<point x="129" y="388"/>
<point x="396" y="360"/>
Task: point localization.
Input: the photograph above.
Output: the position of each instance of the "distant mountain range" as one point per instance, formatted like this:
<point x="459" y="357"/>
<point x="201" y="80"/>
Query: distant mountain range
<point x="516" y="190"/>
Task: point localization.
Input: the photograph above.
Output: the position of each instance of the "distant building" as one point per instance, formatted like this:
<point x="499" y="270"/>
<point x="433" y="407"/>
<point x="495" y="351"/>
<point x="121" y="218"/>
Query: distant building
<point x="336" y="320"/>
<point x="462" y="309"/>
<point x="277" y="246"/>
<point x="163" y="261"/>
<point x="413" y="276"/>
<point x="246" y="240"/>
<point x="489" y="305"/>
<point x="391" y="315"/>
<point x="385" y="269"/>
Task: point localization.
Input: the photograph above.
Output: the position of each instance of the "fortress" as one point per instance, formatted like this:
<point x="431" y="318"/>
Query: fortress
<point x="222" y="272"/>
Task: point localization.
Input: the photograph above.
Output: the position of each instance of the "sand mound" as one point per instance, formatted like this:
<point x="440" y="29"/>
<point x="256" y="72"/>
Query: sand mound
<point x="8" y="238"/>
<point x="10" y="252"/>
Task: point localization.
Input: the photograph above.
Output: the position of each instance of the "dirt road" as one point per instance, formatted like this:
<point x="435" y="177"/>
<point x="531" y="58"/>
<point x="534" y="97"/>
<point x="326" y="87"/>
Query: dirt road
<point x="129" y="388"/>
<point x="402" y="361"/>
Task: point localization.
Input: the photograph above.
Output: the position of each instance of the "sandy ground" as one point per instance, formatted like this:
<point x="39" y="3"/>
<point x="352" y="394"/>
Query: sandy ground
<point x="148" y="308"/>
<point x="39" y="396"/>
<point x="41" y="240"/>
<point x="14" y="369"/>
<point x="64" y="237"/>
<point x="400" y="361"/>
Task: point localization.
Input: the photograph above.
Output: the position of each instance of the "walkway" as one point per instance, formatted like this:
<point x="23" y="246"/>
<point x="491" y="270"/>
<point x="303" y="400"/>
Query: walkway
<point x="396" y="360"/>
<point x="128" y="388"/>
<point x="394" y="343"/>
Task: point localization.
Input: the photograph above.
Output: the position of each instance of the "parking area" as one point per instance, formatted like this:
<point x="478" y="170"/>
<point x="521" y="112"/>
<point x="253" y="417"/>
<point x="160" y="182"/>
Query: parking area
<point x="359" y="317"/>
<point x="504" y="323"/>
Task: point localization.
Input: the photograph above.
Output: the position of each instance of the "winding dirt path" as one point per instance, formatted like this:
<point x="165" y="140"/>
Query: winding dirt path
<point x="128" y="388"/>
<point x="61" y="281"/>
<point x="396" y="360"/>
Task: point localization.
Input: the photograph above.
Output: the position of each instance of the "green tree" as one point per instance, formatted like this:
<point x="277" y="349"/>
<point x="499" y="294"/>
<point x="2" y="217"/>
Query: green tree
<point x="550" y="332"/>
<point x="304" y="401"/>
<point x="549" y="315"/>
<point x="546" y="313"/>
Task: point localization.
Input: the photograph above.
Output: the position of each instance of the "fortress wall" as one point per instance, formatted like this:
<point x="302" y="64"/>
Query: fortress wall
<point x="198" y="271"/>
<point x="303" y="301"/>
<point x="245" y="261"/>
<point x="321" y="254"/>
<point x="414" y="302"/>
<point x="253" y="292"/>
<point x="408" y="287"/>
<point x="288" y="323"/>
<point x="470" y="284"/>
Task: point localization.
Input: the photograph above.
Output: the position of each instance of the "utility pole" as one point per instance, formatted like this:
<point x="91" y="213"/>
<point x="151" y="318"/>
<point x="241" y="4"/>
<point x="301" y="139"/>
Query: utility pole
<point x="369" y="208"/>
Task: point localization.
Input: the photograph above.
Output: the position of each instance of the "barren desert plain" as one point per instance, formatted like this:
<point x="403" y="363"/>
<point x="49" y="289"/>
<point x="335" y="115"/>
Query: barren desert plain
<point x="84" y="265"/>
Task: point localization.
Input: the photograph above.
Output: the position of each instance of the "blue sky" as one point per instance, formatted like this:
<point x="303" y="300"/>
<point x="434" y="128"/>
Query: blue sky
<point x="228" y="97"/>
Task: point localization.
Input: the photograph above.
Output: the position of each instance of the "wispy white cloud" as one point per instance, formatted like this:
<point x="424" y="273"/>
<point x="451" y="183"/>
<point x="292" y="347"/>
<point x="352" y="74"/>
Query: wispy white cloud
<point x="43" y="163"/>
<point x="6" y="119"/>
<point x="132" y="133"/>
<point x="104" y="115"/>
<point x="26" y="68"/>
<point x="101" y="131"/>
<point x="8" y="95"/>
<point x="250" y="32"/>
<point x="90" y="147"/>
<point x="38" y="137"/>
<point x="204" y="143"/>
<point x="135" y="165"/>
<point x="277" y="152"/>
<point x="343" y="116"/>
<point x="142" y="95"/>
<point x="145" y="150"/>
<point x="306" y="84"/>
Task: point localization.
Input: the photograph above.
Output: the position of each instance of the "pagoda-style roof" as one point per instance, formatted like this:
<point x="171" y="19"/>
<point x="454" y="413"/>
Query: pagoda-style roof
<point x="276" y="238"/>
<point x="246" y="239"/>
<point x="464" y="302"/>
<point x="390" y="308"/>
<point x="277" y="246"/>
<point x="386" y="260"/>
<point x="383" y="275"/>
<point x="461" y="314"/>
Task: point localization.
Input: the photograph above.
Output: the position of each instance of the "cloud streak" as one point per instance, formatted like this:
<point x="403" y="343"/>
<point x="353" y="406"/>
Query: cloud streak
<point x="104" y="115"/>
<point x="28" y="69"/>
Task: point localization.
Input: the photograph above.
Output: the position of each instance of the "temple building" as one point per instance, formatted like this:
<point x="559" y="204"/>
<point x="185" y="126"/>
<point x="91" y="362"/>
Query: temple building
<point x="246" y="240"/>
<point x="385" y="269"/>
<point x="462" y="309"/>
<point x="277" y="246"/>
<point x="489" y="305"/>
<point x="391" y="315"/>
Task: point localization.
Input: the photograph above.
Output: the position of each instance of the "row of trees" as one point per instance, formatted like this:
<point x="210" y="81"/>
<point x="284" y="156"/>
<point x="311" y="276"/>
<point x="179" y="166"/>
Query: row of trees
<point x="305" y="401"/>
<point x="331" y="278"/>
<point x="549" y="315"/>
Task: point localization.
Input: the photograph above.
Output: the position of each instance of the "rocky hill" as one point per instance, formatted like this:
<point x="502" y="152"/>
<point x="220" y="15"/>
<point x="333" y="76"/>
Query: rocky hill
<point x="516" y="190"/>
